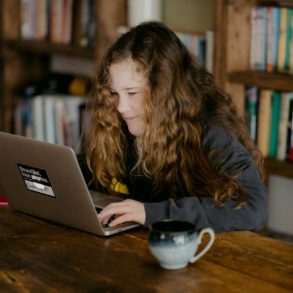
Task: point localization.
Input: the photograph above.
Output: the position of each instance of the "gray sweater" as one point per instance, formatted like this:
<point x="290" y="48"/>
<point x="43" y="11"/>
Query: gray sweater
<point x="202" y="211"/>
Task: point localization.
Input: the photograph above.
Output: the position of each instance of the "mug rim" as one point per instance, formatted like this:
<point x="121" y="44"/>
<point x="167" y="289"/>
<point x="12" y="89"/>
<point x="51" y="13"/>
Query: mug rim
<point x="187" y="230"/>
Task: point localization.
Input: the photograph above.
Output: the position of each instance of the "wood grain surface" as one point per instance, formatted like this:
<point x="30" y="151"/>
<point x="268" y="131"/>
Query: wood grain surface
<point x="38" y="256"/>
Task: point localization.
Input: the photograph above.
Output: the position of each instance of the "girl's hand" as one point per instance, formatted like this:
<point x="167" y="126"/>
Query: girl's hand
<point x="124" y="211"/>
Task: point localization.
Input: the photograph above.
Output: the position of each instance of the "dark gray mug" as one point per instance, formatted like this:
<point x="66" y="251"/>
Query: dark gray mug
<point x="174" y="243"/>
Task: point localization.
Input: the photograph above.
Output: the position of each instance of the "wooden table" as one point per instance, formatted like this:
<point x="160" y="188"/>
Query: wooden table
<point x="37" y="256"/>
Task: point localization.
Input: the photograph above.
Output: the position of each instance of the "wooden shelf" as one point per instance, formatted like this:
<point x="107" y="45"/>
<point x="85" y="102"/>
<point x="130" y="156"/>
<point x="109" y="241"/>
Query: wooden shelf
<point x="283" y="3"/>
<point x="44" y="47"/>
<point x="274" y="81"/>
<point x="279" y="168"/>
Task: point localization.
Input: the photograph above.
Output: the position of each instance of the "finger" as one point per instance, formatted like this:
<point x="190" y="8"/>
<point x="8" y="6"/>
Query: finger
<point x="121" y="219"/>
<point x="113" y="209"/>
<point x="107" y="211"/>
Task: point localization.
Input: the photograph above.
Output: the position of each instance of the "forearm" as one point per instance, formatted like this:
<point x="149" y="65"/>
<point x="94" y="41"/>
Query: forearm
<point x="203" y="212"/>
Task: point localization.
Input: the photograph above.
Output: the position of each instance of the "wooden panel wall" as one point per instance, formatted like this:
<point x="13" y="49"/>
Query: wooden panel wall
<point x="110" y="15"/>
<point x="237" y="45"/>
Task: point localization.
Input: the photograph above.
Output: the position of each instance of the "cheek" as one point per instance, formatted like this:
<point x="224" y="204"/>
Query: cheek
<point x="141" y="103"/>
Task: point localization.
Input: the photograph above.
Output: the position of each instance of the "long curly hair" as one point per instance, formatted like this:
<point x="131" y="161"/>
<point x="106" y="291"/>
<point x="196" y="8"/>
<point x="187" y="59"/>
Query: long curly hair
<point x="183" y="99"/>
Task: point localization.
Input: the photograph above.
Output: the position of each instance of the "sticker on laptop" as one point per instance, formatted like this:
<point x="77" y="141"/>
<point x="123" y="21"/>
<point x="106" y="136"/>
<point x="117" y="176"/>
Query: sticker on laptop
<point x="36" y="180"/>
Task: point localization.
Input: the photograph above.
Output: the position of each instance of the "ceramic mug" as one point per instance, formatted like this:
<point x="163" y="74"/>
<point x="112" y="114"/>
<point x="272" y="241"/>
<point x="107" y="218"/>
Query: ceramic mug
<point x="174" y="243"/>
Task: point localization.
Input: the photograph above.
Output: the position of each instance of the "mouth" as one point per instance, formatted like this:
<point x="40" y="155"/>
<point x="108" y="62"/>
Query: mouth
<point x="129" y="119"/>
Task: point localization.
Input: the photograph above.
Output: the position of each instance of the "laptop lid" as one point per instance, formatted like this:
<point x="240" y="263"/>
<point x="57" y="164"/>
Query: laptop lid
<point x="44" y="180"/>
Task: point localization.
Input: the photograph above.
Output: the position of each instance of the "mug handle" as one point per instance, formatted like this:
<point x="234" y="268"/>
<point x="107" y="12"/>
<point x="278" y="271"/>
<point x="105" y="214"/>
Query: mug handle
<point x="207" y="247"/>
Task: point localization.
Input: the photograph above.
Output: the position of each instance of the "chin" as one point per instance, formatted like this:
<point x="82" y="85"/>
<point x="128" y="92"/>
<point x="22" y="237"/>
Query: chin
<point x="135" y="131"/>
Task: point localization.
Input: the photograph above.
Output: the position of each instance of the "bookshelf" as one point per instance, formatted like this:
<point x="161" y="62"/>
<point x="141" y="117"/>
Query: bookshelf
<point x="25" y="60"/>
<point x="233" y="65"/>
<point x="274" y="81"/>
<point x="48" y="48"/>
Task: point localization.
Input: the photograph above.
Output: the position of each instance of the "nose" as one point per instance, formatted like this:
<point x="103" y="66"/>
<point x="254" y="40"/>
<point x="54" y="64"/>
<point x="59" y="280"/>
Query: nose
<point x="123" y="104"/>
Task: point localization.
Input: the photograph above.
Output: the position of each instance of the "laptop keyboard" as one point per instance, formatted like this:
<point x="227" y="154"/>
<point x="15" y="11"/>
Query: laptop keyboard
<point x="106" y="225"/>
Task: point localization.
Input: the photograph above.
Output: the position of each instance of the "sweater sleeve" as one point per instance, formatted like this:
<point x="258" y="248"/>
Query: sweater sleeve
<point x="203" y="212"/>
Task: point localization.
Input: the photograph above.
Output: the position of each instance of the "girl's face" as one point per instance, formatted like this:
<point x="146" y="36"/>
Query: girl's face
<point x="129" y="89"/>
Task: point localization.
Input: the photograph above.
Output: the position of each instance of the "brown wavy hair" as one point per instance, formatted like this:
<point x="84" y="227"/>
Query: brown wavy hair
<point x="183" y="99"/>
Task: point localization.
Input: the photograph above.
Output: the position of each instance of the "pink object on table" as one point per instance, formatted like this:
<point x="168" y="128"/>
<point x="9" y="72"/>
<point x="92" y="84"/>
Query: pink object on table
<point x="3" y="200"/>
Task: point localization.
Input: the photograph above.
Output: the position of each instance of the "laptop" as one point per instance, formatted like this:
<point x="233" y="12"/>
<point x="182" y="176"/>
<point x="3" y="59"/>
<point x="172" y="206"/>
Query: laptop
<point x="44" y="180"/>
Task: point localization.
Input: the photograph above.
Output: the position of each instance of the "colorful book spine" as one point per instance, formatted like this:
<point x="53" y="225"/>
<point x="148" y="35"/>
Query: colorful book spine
<point x="290" y="132"/>
<point x="289" y="28"/>
<point x="282" y="39"/>
<point x="261" y="39"/>
<point x="273" y="24"/>
<point x="283" y="125"/>
<point x="290" y="41"/>
<point x="273" y="144"/>
<point x="251" y="97"/>
<point x="264" y="121"/>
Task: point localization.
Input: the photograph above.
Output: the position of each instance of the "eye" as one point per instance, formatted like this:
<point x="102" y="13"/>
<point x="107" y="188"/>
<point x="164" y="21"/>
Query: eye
<point x="113" y="94"/>
<point x="132" y="93"/>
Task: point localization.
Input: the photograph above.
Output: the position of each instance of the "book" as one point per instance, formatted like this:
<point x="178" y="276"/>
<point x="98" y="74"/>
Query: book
<point x="37" y="118"/>
<point x="289" y="151"/>
<point x="91" y="24"/>
<point x="273" y="143"/>
<point x="273" y="23"/>
<point x="289" y="32"/>
<point x="49" y="118"/>
<point x="54" y="118"/>
<point x="282" y="39"/>
<point x="66" y="33"/>
<point x="34" y="19"/>
<point x="283" y="125"/>
<point x="197" y="46"/>
<point x="59" y="120"/>
<point x="41" y="19"/>
<point x="251" y="103"/>
<point x="264" y="121"/>
<point x="71" y="121"/>
<point x="261" y="39"/>
<point x="290" y="42"/>
<point x="28" y="13"/>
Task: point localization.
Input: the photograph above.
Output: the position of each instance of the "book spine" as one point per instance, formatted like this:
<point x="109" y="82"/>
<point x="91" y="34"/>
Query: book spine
<point x="288" y="40"/>
<point x="289" y="151"/>
<point x="284" y="117"/>
<point x="37" y="118"/>
<point x="270" y="44"/>
<point x="251" y="97"/>
<point x="291" y="42"/>
<point x="282" y="39"/>
<point x="274" y="124"/>
<point x="264" y="117"/>
<point x="272" y="38"/>
<point x="261" y="38"/>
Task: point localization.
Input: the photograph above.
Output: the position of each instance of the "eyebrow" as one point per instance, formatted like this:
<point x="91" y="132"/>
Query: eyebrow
<point x="132" y="88"/>
<point x="128" y="88"/>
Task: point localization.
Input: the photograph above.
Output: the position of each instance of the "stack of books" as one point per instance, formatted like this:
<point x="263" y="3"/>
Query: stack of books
<point x="270" y="121"/>
<point x="201" y="46"/>
<point x="52" y="118"/>
<point x="59" y="21"/>
<point x="53" y="110"/>
<point x="271" y="40"/>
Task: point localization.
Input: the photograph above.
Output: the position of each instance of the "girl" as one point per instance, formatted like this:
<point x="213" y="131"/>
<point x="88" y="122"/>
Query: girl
<point x="166" y="135"/>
